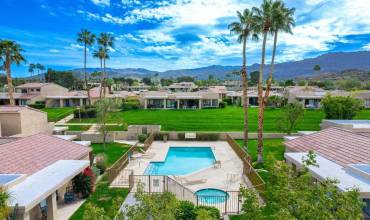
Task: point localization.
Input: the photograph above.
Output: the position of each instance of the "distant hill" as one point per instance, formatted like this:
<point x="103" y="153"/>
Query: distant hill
<point x="330" y="63"/>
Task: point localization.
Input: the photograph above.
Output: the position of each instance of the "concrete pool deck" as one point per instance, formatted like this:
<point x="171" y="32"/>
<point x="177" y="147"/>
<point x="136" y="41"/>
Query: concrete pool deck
<point x="227" y="177"/>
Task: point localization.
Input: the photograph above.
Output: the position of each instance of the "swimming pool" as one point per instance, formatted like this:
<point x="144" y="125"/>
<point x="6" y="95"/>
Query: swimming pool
<point x="182" y="160"/>
<point x="212" y="196"/>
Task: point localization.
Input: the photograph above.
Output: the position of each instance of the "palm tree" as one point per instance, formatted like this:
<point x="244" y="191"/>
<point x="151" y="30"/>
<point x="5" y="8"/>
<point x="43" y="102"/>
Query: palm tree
<point x="10" y="52"/>
<point x="39" y="68"/>
<point x="87" y="39"/>
<point x="265" y="20"/>
<point x="244" y="28"/>
<point x="101" y="54"/>
<point x="31" y="69"/>
<point x="106" y="41"/>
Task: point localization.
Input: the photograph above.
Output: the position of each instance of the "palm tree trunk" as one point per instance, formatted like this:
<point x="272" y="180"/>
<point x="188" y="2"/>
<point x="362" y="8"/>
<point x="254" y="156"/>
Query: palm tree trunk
<point x="9" y="80"/>
<point x="269" y="81"/>
<point x="245" y="95"/>
<point x="260" y="103"/>
<point x="105" y="80"/>
<point x="86" y="86"/>
<point x="101" y="78"/>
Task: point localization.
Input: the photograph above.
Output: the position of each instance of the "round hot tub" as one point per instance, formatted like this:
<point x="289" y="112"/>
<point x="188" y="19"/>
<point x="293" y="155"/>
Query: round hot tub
<point x="211" y="196"/>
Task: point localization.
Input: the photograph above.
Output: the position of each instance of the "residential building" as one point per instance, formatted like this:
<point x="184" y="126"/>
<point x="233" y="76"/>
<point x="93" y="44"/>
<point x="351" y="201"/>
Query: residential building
<point x="182" y="87"/>
<point x="179" y="100"/>
<point x="233" y="85"/>
<point x="236" y="97"/>
<point x="364" y="96"/>
<point x="23" y="121"/>
<point x="310" y="96"/>
<point x="220" y="90"/>
<point x="38" y="170"/>
<point x="340" y="154"/>
<point x="30" y="93"/>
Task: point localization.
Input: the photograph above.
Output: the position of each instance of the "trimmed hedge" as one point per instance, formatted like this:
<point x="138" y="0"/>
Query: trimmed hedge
<point x="130" y="104"/>
<point x="38" y="105"/>
<point x="86" y="112"/>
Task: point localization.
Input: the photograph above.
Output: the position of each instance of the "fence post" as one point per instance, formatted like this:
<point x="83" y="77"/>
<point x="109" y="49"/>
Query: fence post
<point x="226" y="203"/>
<point x="238" y="202"/>
<point x="149" y="184"/>
<point x="164" y="183"/>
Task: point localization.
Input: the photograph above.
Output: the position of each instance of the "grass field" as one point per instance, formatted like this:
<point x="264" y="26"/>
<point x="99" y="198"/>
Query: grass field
<point x="56" y="114"/>
<point x="228" y="119"/>
<point x="113" y="151"/>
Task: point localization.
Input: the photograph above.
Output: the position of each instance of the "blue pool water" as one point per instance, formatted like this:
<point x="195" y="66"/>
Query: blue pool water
<point x="182" y="160"/>
<point x="212" y="196"/>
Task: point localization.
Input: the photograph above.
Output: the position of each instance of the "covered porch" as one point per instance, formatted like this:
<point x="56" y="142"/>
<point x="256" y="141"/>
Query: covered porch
<point x="40" y="195"/>
<point x="65" y="102"/>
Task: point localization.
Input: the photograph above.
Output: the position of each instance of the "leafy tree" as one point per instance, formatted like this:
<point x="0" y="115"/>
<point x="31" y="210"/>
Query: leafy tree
<point x="185" y="79"/>
<point x="10" y="52"/>
<point x="245" y="28"/>
<point x="301" y="82"/>
<point x="166" y="82"/>
<point x="291" y="194"/>
<point x="276" y="101"/>
<point x="349" y="84"/>
<point x="63" y="78"/>
<point x="290" y="116"/>
<point x="4" y="209"/>
<point x="104" y="107"/>
<point x="87" y="39"/>
<point x="339" y="107"/>
<point x="156" y="206"/>
<point x="317" y="68"/>
<point x="147" y="81"/>
<point x="254" y="78"/>
<point x="289" y="82"/>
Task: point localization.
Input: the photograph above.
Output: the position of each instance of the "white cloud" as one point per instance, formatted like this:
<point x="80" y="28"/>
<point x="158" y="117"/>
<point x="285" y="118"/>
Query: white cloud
<point x="366" y="47"/>
<point x="54" y="51"/>
<point x="101" y="2"/>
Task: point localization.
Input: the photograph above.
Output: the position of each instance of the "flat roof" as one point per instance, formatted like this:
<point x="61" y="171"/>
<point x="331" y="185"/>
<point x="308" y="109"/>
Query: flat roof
<point x="66" y="137"/>
<point x="354" y="123"/>
<point x="43" y="183"/>
<point x="329" y="169"/>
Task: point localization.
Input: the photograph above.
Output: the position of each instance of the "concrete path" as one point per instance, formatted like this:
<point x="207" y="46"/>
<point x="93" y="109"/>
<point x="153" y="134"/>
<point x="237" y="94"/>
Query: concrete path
<point x="65" y="120"/>
<point x="128" y="142"/>
<point x="65" y="211"/>
<point x="94" y="128"/>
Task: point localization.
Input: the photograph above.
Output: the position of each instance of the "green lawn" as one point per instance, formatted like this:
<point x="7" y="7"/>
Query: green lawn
<point x="228" y="119"/>
<point x="56" y="114"/>
<point x="78" y="127"/>
<point x="113" y="151"/>
<point x="103" y="198"/>
<point x="271" y="147"/>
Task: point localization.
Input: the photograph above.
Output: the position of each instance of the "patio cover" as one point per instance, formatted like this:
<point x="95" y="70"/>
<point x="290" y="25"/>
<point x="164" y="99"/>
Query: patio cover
<point x="45" y="182"/>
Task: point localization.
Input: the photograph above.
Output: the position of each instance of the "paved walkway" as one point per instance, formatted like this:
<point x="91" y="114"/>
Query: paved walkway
<point x="128" y="142"/>
<point x="65" y="211"/>
<point x="65" y="120"/>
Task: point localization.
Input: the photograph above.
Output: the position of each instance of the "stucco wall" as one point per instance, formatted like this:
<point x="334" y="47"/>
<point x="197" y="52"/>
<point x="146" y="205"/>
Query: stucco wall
<point x="34" y="122"/>
<point x="53" y="90"/>
<point x="10" y="124"/>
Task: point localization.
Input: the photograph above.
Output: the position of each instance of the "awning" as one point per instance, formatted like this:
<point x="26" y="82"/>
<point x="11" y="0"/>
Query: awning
<point x="37" y="187"/>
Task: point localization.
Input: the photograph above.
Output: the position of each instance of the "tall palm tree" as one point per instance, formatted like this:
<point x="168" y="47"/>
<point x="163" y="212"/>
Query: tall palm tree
<point x="244" y="28"/>
<point x="106" y="41"/>
<point x="101" y="54"/>
<point x="31" y="69"/>
<point x="10" y="52"/>
<point x="87" y="39"/>
<point x="283" y="21"/>
<point x="265" y="20"/>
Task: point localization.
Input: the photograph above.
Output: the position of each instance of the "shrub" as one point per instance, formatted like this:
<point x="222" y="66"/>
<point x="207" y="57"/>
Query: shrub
<point x="142" y="137"/>
<point x="101" y="162"/>
<point x="228" y="101"/>
<point x="181" y="136"/>
<point x="207" y="136"/>
<point x="130" y="104"/>
<point x="159" y="136"/>
<point x="290" y="116"/>
<point x="82" y="185"/>
<point x="340" y="107"/>
<point x="213" y="212"/>
<point x="186" y="211"/>
<point x="38" y="105"/>
<point x="222" y="104"/>
<point x="86" y="112"/>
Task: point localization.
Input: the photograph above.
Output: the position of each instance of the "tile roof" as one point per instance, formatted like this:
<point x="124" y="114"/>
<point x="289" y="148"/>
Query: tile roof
<point x="16" y="95"/>
<point x="16" y="108"/>
<point x="33" y="153"/>
<point x="32" y="85"/>
<point x="336" y="144"/>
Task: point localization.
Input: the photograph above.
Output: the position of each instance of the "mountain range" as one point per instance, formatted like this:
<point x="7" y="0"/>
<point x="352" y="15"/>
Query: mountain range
<point x="329" y="63"/>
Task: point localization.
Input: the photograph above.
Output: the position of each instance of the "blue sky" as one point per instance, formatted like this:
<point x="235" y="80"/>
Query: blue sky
<point x="173" y="34"/>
